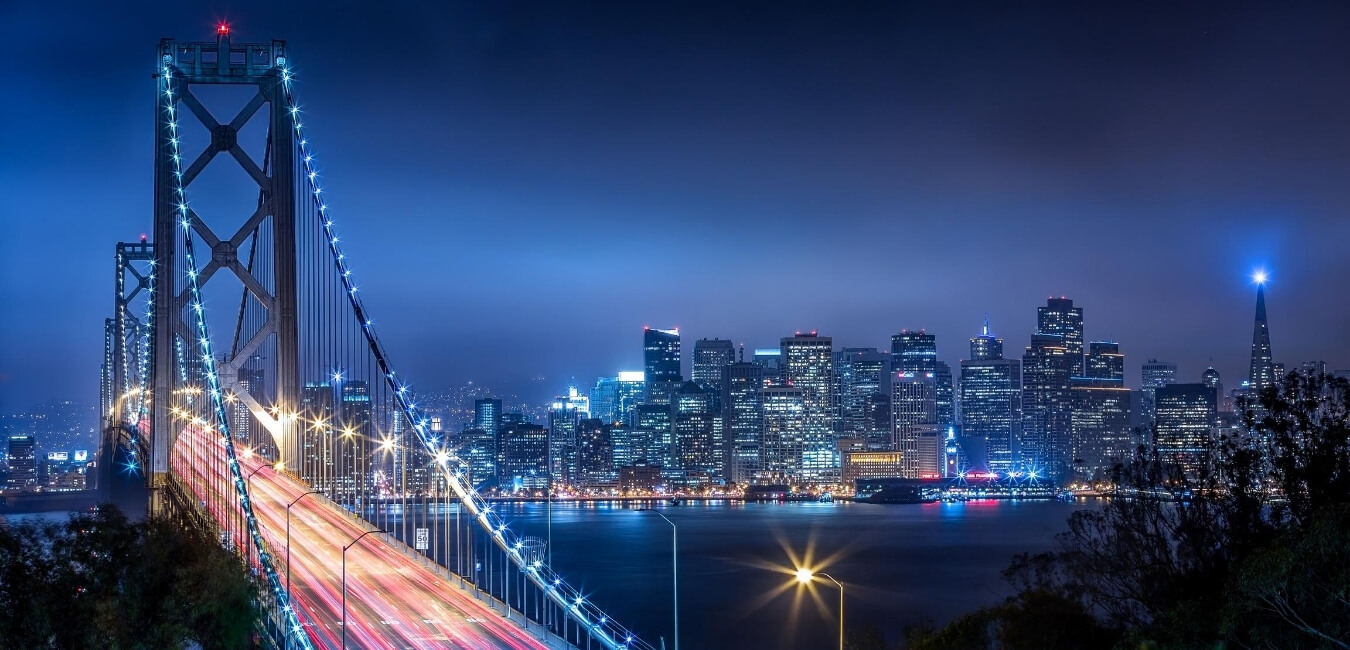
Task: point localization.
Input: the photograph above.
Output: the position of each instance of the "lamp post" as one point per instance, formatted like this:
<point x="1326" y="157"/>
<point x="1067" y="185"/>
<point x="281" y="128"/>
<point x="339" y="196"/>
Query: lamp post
<point x="288" y="539"/>
<point x="248" y="484"/>
<point x="674" y="569"/>
<point x="344" y="582"/>
<point x="805" y="576"/>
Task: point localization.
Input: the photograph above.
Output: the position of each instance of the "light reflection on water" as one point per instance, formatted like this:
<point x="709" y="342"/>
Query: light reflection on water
<point x="899" y="563"/>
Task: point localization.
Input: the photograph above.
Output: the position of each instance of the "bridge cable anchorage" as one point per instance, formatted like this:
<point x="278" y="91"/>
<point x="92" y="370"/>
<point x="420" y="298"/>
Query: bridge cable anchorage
<point x="454" y="470"/>
<point x="213" y="392"/>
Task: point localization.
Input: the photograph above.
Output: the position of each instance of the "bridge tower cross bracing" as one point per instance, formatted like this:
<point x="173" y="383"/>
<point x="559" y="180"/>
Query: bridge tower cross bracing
<point x="256" y="65"/>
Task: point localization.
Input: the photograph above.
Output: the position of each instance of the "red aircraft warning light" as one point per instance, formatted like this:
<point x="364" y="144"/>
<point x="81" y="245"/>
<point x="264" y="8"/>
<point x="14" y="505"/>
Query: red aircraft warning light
<point x="223" y="29"/>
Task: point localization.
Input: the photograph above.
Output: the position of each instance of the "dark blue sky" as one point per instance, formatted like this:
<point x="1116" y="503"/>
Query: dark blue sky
<point x="521" y="188"/>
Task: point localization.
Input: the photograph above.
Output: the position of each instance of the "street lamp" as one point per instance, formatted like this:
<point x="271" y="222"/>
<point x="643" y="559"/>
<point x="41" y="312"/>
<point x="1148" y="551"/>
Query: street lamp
<point x="248" y="483"/>
<point x="806" y="576"/>
<point x="344" y="583"/>
<point x="288" y="539"/>
<point x="674" y="569"/>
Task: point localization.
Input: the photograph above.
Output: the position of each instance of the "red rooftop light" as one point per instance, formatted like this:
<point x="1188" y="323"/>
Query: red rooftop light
<point x="223" y="29"/>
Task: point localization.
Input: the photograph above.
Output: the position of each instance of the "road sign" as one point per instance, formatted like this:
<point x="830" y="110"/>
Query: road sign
<point x="420" y="542"/>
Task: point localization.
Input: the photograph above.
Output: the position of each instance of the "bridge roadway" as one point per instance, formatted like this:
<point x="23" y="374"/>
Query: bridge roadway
<point x="392" y="600"/>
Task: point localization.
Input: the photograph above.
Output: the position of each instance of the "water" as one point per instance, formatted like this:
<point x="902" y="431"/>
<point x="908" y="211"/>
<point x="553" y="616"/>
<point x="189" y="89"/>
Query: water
<point x="899" y="564"/>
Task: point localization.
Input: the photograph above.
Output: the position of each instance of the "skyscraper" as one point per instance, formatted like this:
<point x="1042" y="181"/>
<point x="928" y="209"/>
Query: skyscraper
<point x="808" y="365"/>
<point x="661" y="359"/>
<point x="1104" y="361"/>
<point x="860" y="373"/>
<point x="913" y="416"/>
<point x="522" y="456"/>
<point x="710" y="356"/>
<point x="743" y="419"/>
<point x="1059" y="317"/>
<point x="991" y="403"/>
<point x="316" y="449"/>
<point x="1153" y="375"/>
<point x="1186" y="415"/>
<point x="698" y="433"/>
<point x="784" y="434"/>
<point x="595" y="453"/>
<point x="913" y="352"/>
<point x="487" y="415"/>
<point x="1047" y="365"/>
<point x="355" y="440"/>
<point x="917" y="352"/>
<point x="652" y="421"/>
<point x="605" y="399"/>
<point x="22" y="464"/>
<point x="1263" y="371"/>
<point x="632" y="389"/>
<point x="1099" y="426"/>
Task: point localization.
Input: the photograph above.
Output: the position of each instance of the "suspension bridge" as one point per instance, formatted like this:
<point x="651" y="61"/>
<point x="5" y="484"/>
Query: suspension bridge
<point x="250" y="390"/>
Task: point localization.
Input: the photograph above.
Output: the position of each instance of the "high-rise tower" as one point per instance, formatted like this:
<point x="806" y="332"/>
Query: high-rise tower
<point x="661" y="358"/>
<point x="1262" y="372"/>
<point x="1061" y="318"/>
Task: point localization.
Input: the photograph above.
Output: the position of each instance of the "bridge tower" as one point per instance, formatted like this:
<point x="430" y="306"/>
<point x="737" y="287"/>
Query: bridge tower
<point x="251" y="66"/>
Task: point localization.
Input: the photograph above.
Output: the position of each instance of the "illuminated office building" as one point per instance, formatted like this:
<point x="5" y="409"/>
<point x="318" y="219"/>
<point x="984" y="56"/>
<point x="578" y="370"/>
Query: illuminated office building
<point x="699" y="437"/>
<point x="710" y="356"/>
<point x="1153" y="374"/>
<point x="991" y="402"/>
<point x="860" y="373"/>
<point x="1060" y="318"/>
<point x="522" y="461"/>
<point x="1047" y="366"/>
<point x="743" y="419"/>
<point x="632" y="389"/>
<point x="595" y="453"/>
<point x="808" y="365"/>
<point x="661" y="359"/>
<point x="1263" y="371"/>
<point x="784" y="435"/>
<point x="914" y="415"/>
<point x="1186" y="416"/>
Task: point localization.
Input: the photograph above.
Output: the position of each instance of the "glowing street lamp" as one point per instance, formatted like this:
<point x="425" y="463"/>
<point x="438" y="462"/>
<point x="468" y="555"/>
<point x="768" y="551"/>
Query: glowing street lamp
<point x="344" y="582"/>
<point x="807" y="576"/>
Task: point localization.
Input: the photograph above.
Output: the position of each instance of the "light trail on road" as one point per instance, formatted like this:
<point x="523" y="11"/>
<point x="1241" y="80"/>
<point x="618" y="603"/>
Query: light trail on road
<point x="392" y="600"/>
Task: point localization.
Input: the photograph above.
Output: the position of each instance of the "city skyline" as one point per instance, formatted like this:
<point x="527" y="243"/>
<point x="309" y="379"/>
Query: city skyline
<point x="1136" y="237"/>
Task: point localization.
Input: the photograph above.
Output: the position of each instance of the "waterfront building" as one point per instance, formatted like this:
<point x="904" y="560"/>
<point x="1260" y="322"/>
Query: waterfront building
<point x="1153" y="374"/>
<point x="1099" y="426"/>
<point x="913" y="414"/>
<point x="661" y="360"/>
<point x="698" y="432"/>
<point x="1186" y="417"/>
<point x="23" y="469"/>
<point x="743" y="419"/>
<point x="808" y="365"/>
<point x="654" y="421"/>
<point x="478" y="449"/>
<point x="563" y="418"/>
<point x="640" y="478"/>
<point x="784" y="435"/>
<point x="595" y="453"/>
<point x="991" y="403"/>
<point x="523" y="459"/>
<point x="1047" y="366"/>
<point x="871" y="465"/>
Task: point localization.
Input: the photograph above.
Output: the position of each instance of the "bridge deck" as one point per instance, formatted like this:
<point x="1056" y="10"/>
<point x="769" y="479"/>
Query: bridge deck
<point x="392" y="600"/>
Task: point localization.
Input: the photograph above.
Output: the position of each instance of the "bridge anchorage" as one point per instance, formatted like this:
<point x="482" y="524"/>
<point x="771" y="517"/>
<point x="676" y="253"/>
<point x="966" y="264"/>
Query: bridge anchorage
<point x="293" y="437"/>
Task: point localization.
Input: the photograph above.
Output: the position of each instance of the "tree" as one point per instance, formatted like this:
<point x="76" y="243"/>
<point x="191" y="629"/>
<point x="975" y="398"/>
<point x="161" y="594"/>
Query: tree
<point x="1250" y="548"/>
<point x="101" y="581"/>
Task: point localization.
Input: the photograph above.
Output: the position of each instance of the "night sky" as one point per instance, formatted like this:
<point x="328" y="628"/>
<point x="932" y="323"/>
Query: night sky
<point x="521" y="188"/>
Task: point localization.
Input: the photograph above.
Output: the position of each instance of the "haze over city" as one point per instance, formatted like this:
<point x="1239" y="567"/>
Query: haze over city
<point x="537" y="182"/>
